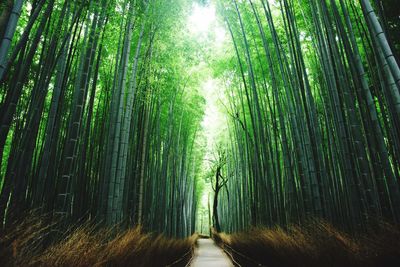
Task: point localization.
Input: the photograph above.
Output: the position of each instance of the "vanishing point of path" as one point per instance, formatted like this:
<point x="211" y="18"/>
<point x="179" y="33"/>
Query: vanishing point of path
<point x="208" y="254"/>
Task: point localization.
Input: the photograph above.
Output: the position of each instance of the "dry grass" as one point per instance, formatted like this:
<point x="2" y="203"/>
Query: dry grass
<point x="25" y="238"/>
<point x="23" y="246"/>
<point x="317" y="244"/>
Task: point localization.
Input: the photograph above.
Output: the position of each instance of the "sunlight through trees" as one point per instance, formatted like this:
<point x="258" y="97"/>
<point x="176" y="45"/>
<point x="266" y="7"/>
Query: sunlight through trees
<point x="113" y="112"/>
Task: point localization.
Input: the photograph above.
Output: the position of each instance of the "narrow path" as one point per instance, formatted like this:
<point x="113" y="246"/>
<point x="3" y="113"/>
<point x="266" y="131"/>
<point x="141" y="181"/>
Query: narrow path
<point x="208" y="254"/>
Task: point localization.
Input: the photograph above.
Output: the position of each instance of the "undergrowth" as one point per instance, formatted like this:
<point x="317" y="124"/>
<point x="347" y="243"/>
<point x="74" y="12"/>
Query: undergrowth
<point x="25" y="245"/>
<point x="317" y="244"/>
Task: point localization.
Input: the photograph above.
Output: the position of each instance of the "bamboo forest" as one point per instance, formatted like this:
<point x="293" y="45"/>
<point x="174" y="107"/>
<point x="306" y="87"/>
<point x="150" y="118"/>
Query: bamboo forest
<point x="160" y="132"/>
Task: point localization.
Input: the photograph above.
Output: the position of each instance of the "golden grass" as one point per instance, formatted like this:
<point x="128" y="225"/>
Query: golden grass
<point x="85" y="246"/>
<point x="316" y="244"/>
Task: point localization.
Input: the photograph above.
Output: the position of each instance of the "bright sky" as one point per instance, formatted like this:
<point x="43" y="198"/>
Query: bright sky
<point x="214" y="126"/>
<point x="203" y="22"/>
<point x="201" y="18"/>
<point x="205" y="27"/>
<point x="214" y="120"/>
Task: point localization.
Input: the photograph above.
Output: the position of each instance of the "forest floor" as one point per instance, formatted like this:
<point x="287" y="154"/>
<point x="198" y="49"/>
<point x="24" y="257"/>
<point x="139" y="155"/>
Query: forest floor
<point x="316" y="244"/>
<point x="208" y="254"/>
<point x="23" y="245"/>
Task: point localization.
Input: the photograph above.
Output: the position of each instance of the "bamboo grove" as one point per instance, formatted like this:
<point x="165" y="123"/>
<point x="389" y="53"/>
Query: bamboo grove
<point x="314" y="114"/>
<point x="102" y="113"/>
<point x="93" y="113"/>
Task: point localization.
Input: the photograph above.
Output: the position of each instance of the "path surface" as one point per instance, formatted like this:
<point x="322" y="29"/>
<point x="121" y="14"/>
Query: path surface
<point x="208" y="254"/>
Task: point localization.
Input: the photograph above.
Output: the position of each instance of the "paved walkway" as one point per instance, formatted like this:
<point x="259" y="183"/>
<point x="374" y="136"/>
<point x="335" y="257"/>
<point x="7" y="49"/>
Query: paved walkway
<point x="208" y="254"/>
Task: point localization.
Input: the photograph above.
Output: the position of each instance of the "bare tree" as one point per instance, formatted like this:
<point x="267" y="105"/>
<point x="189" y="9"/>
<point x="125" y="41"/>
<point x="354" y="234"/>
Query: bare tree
<point x="218" y="181"/>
